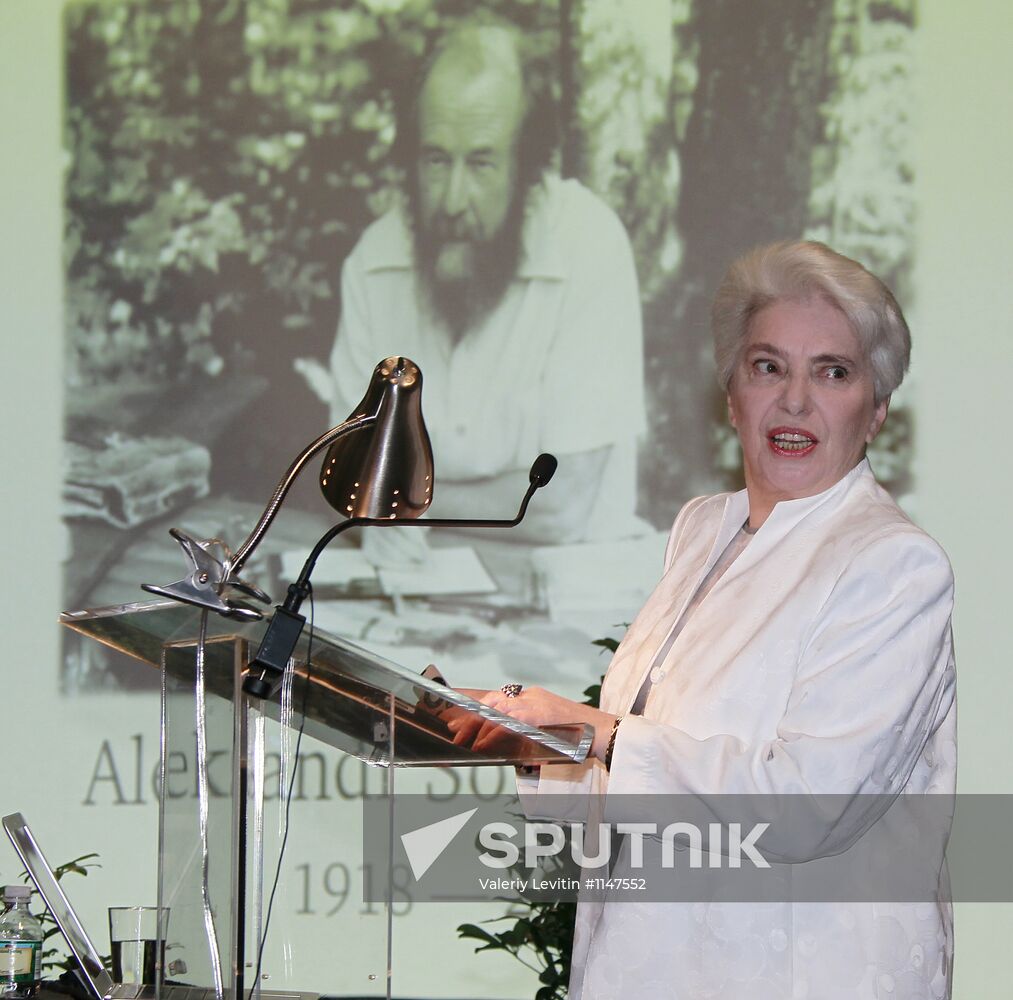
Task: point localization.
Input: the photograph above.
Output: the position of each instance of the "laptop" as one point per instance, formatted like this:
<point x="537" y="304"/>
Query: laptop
<point x="95" y="975"/>
<point x="92" y="973"/>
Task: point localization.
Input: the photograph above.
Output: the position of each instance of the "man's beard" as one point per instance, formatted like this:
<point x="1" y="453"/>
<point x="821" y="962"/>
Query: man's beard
<point x="462" y="303"/>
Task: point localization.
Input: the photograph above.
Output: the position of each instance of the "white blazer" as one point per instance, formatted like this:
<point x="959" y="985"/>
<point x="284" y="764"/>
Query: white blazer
<point x="820" y="662"/>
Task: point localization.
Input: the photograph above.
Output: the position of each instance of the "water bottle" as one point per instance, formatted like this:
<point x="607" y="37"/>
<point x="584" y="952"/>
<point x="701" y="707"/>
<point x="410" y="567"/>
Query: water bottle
<point x="20" y="945"/>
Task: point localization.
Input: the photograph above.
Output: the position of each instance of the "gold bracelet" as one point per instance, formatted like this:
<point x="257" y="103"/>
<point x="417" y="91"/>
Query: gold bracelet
<point x="612" y="743"/>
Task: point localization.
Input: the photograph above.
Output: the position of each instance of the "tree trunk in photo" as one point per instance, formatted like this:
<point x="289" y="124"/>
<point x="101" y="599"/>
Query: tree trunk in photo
<point x="746" y="176"/>
<point x="571" y="140"/>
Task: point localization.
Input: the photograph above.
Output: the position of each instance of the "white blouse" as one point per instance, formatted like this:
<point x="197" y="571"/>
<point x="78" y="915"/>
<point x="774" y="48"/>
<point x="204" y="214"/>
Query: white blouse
<point x="820" y="662"/>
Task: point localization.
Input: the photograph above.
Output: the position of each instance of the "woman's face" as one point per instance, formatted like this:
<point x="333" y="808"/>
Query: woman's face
<point x="801" y="398"/>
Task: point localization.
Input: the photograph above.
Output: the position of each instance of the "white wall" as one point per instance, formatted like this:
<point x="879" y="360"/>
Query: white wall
<point x="964" y="354"/>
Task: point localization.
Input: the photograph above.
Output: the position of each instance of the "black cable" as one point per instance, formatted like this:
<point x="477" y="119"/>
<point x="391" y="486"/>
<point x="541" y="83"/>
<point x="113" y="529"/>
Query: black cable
<point x="291" y="787"/>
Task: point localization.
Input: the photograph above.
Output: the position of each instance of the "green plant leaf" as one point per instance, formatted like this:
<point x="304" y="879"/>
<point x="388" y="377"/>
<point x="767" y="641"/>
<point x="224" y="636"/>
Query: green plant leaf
<point x="477" y="933"/>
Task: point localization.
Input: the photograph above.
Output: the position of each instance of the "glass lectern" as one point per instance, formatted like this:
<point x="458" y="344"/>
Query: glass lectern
<point x="228" y="772"/>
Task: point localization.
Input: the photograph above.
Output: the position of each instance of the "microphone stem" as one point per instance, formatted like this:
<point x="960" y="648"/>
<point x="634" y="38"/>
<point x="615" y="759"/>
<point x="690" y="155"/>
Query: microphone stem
<point x="300" y="588"/>
<point x="282" y="635"/>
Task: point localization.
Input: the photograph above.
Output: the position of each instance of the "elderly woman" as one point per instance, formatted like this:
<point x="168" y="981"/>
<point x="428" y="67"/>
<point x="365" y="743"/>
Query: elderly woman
<point x="798" y="642"/>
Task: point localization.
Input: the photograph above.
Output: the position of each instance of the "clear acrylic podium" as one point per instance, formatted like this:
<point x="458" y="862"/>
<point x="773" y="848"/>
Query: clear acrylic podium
<point x="227" y="767"/>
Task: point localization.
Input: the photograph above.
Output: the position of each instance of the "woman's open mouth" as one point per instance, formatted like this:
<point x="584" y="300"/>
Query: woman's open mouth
<point x="791" y="441"/>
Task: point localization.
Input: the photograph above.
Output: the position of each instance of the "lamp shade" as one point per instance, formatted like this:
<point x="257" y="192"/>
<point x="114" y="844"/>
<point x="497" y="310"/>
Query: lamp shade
<point x="384" y="469"/>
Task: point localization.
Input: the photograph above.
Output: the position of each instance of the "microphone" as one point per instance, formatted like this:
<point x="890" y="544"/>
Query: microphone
<point x="279" y="642"/>
<point x="543" y="469"/>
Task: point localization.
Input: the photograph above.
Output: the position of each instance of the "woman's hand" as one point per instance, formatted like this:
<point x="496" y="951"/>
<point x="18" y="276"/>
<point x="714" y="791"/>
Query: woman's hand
<point x="538" y="707"/>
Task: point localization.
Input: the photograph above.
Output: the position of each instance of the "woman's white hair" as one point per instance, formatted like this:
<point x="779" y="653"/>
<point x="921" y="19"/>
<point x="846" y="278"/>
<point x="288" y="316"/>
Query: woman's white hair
<point x="800" y="271"/>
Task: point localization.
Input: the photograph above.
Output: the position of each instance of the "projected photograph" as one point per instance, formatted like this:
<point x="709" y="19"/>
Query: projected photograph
<point x="264" y="199"/>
